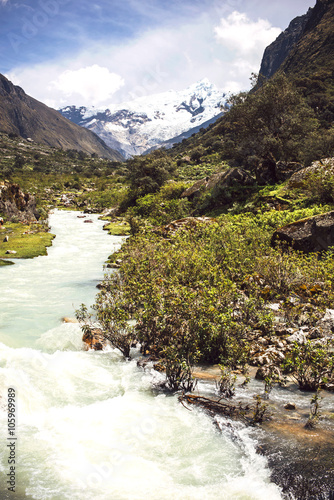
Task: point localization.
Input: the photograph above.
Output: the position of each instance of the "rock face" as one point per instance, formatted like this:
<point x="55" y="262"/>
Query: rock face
<point x="22" y="115"/>
<point x="315" y="234"/>
<point x="15" y="203"/>
<point x="306" y="46"/>
<point x="279" y="49"/>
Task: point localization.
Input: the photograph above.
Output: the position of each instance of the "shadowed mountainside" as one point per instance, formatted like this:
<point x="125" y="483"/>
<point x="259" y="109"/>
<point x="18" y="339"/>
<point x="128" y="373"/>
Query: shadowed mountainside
<point x="25" y="116"/>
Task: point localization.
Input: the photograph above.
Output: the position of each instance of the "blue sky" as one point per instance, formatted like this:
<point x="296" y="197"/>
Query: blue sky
<point x="101" y="52"/>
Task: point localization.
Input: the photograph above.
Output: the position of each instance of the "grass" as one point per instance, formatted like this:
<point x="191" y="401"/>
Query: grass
<point x="5" y="263"/>
<point x="118" y="228"/>
<point x="27" y="241"/>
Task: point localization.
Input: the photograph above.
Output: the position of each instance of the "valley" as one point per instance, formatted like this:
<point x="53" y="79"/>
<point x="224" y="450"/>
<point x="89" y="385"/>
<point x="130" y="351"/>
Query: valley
<point x="218" y="286"/>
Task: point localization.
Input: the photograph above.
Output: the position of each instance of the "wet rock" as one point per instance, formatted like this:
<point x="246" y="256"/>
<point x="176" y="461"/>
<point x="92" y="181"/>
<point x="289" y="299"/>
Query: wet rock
<point x="290" y="406"/>
<point x="69" y="320"/>
<point x="267" y="371"/>
<point x="93" y="339"/>
<point x="314" y="234"/>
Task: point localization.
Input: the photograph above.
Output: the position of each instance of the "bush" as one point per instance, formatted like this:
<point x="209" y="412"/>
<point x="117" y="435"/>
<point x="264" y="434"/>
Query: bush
<point x="310" y="364"/>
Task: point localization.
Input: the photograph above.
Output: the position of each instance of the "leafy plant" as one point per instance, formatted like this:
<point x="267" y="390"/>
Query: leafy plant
<point x="310" y="364"/>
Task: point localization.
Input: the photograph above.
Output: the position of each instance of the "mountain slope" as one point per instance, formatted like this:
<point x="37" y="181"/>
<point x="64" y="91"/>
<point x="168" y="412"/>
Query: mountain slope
<point x="306" y="46"/>
<point x="27" y="117"/>
<point x="315" y="49"/>
<point x="137" y="126"/>
<point x="276" y="53"/>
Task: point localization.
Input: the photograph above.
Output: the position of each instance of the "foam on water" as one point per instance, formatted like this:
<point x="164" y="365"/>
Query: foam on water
<point x="89" y="424"/>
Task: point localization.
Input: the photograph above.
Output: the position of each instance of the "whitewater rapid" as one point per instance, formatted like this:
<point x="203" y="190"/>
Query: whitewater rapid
<point x="88" y="424"/>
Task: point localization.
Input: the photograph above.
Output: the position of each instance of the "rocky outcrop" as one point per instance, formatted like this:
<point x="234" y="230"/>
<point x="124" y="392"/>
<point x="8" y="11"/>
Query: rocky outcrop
<point x="216" y="183"/>
<point x="324" y="167"/>
<point x="269" y="171"/>
<point x="16" y="204"/>
<point x="314" y="234"/>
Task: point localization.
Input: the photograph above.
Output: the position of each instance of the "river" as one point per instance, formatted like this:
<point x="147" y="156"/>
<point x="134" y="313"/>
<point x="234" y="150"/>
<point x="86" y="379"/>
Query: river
<point x="88" y="424"/>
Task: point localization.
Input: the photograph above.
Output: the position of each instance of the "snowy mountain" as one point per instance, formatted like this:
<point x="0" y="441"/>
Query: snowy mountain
<point x="136" y="126"/>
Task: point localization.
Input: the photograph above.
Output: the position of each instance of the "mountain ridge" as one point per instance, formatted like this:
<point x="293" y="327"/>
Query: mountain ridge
<point x="26" y="117"/>
<point x="134" y="127"/>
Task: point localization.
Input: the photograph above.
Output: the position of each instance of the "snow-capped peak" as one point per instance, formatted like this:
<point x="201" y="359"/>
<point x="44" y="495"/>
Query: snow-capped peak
<point x="134" y="126"/>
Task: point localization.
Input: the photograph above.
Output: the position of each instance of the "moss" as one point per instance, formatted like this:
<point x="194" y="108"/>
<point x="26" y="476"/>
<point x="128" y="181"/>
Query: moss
<point x="118" y="228"/>
<point x="6" y="263"/>
<point x="27" y="241"/>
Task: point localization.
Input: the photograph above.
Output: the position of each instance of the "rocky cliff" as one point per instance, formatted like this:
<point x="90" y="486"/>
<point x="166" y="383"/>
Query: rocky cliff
<point x="29" y="118"/>
<point x="314" y="51"/>
<point x="15" y="203"/>
<point x="306" y="46"/>
<point x="276" y="53"/>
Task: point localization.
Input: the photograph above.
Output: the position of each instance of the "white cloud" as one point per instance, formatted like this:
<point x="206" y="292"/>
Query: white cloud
<point x="94" y="84"/>
<point x="246" y="37"/>
<point x="172" y="57"/>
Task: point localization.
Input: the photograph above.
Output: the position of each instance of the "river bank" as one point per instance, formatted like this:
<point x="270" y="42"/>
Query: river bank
<point x="89" y="423"/>
<point x="300" y="459"/>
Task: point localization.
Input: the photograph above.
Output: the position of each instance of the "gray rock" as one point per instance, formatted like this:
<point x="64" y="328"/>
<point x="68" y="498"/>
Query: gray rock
<point x="298" y="337"/>
<point x="217" y="183"/>
<point x="314" y="234"/>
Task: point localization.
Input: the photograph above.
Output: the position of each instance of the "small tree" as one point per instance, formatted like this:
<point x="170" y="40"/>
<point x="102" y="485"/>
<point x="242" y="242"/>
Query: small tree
<point x="148" y="173"/>
<point x="310" y="364"/>
<point x="272" y="122"/>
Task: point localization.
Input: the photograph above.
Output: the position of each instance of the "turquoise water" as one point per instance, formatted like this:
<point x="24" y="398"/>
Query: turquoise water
<point x="88" y="424"/>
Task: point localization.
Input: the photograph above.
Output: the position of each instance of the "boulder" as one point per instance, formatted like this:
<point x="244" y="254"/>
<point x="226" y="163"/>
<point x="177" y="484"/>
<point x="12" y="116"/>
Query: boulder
<point x="298" y="337"/>
<point x="314" y="234"/>
<point x="324" y="328"/>
<point x="268" y="371"/>
<point x="195" y="189"/>
<point x="218" y="182"/>
<point x="325" y="166"/>
<point x="284" y="170"/>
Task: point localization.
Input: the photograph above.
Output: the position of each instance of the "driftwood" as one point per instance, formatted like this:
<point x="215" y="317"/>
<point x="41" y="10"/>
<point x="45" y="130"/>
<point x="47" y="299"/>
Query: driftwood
<point x="249" y="413"/>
